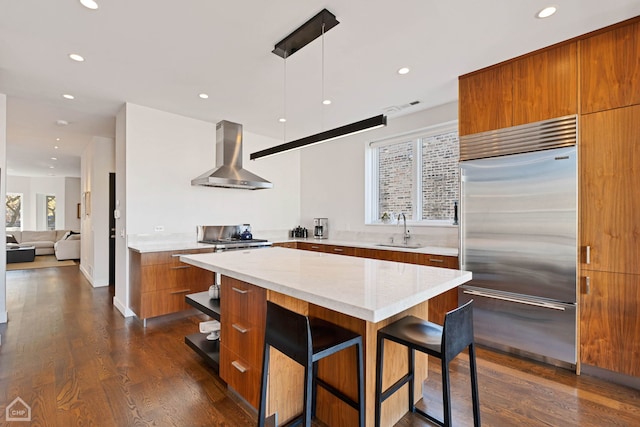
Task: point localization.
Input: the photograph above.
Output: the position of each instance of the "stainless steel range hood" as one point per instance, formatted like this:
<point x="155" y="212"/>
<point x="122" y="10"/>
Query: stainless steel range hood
<point x="228" y="172"/>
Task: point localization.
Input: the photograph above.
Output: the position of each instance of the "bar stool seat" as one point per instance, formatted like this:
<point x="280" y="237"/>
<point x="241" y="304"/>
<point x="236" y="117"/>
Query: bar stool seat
<point x="444" y="342"/>
<point x="306" y="341"/>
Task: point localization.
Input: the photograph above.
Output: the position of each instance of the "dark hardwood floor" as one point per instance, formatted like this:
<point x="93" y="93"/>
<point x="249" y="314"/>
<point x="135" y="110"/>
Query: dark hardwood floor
<point x="70" y="355"/>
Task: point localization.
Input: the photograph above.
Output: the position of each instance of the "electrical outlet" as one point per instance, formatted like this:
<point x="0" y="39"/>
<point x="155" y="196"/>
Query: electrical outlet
<point x="159" y="228"/>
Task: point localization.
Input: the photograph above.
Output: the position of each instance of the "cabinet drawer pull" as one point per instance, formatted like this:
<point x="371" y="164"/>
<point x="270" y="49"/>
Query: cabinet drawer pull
<point x="587" y="283"/>
<point x="338" y="249"/>
<point x="239" y="366"/>
<point x="436" y="260"/>
<point x="180" y="267"/>
<point x="181" y="291"/>
<point x="239" y="328"/>
<point x="588" y="255"/>
<point x="240" y="291"/>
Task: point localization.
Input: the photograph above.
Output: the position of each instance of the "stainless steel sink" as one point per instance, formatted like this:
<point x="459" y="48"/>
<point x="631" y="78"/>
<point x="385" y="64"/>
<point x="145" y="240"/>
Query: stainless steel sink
<point x="402" y="245"/>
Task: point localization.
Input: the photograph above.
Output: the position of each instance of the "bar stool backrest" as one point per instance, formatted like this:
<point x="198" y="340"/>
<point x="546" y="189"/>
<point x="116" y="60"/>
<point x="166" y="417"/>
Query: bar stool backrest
<point x="289" y="332"/>
<point x="457" y="333"/>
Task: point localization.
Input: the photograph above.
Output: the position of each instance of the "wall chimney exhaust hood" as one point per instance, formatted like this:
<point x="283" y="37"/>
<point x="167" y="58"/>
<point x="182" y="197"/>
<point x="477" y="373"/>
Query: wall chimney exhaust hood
<point x="228" y="172"/>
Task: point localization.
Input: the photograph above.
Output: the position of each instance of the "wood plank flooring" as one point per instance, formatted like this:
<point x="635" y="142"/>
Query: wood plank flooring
<point x="70" y="355"/>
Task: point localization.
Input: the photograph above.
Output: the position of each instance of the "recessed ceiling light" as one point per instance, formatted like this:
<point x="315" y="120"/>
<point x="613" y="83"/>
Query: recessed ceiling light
<point x="55" y="147"/>
<point x="326" y="102"/>
<point x="67" y="96"/>
<point x="54" y="158"/>
<point x="547" y="12"/>
<point x="403" y="70"/>
<point x="203" y="96"/>
<point x="61" y="123"/>
<point x="76" y="57"/>
<point x="282" y="120"/>
<point x="52" y="167"/>
<point x="89" y="4"/>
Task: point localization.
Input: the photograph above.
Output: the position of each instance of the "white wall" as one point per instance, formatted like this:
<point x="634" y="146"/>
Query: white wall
<point x="165" y="151"/>
<point x="34" y="190"/>
<point x="333" y="177"/>
<point x="3" y="184"/>
<point x="121" y="297"/>
<point x="97" y="161"/>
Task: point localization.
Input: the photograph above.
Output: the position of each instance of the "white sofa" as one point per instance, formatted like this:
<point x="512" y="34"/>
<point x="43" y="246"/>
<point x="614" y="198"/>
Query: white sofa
<point x="65" y="244"/>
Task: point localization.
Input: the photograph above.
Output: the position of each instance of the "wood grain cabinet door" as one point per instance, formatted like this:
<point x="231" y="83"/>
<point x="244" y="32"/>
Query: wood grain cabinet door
<point x="609" y="182"/>
<point x="610" y="69"/>
<point x="545" y="85"/>
<point x="486" y="100"/>
<point x="610" y="322"/>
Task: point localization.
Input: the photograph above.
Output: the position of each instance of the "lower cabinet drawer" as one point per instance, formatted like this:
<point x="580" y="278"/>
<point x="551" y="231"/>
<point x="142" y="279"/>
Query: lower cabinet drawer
<point x="243" y="337"/>
<point x="240" y="375"/>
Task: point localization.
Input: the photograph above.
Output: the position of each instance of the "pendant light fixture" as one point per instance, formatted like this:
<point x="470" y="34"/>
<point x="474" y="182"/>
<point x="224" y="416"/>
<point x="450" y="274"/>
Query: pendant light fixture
<point x="299" y="38"/>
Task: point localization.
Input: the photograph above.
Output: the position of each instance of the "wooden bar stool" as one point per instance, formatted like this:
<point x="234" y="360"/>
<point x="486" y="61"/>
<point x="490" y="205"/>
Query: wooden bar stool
<point x="444" y="343"/>
<point x="307" y="340"/>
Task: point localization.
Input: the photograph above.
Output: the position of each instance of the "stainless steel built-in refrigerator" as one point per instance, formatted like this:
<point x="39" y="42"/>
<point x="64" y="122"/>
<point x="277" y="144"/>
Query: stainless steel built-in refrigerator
<point x="518" y="231"/>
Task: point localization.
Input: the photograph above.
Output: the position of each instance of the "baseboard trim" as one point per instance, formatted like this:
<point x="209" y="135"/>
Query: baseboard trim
<point x="614" y="377"/>
<point x="126" y="312"/>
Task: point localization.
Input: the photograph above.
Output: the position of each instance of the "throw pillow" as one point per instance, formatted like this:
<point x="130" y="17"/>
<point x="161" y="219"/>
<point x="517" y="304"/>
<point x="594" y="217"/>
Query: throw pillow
<point x="11" y="239"/>
<point x="71" y="233"/>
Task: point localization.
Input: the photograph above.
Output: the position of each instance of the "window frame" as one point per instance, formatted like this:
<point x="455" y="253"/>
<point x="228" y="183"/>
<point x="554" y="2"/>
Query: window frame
<point x="372" y="214"/>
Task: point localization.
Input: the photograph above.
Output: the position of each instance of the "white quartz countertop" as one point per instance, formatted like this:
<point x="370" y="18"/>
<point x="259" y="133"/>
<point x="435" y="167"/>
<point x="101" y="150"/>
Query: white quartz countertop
<point x="433" y="250"/>
<point x="163" y="246"/>
<point x="364" y="288"/>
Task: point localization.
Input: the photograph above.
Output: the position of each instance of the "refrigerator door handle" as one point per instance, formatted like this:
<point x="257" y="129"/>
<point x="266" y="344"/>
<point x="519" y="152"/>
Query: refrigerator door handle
<point x="516" y="300"/>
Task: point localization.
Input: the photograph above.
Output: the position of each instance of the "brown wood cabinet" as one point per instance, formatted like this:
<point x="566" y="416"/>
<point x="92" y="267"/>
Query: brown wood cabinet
<point x="242" y="318"/>
<point x="609" y="180"/>
<point x="610" y="240"/>
<point x="545" y="85"/>
<point x="610" y="322"/>
<point x="159" y="282"/>
<point x="485" y="100"/>
<point x="610" y="69"/>
<point x="306" y="246"/>
<point x="536" y="87"/>
<point x="290" y="245"/>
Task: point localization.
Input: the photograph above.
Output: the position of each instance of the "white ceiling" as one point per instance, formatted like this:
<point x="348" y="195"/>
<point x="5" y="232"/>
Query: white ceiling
<point x="162" y="54"/>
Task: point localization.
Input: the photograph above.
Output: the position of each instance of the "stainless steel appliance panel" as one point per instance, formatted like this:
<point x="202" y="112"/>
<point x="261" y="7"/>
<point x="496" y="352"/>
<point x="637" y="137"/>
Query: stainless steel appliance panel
<point x="522" y="325"/>
<point x="518" y="224"/>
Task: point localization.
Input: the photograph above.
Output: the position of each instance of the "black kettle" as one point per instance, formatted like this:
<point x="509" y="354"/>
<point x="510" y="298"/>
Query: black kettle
<point x="246" y="235"/>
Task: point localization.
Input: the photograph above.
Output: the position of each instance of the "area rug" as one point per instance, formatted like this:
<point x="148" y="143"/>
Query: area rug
<point x="41" y="261"/>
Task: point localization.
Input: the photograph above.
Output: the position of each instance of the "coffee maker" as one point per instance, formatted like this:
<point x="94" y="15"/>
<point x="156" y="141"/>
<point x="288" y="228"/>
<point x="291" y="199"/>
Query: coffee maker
<point x="320" y="228"/>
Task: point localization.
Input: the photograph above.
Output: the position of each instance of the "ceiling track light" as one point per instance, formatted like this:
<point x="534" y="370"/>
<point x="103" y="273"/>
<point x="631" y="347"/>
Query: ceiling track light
<point x="89" y="4"/>
<point x="315" y="27"/>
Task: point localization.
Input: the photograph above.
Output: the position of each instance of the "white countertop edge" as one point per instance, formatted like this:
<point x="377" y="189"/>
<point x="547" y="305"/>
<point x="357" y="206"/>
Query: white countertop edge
<point x="373" y="316"/>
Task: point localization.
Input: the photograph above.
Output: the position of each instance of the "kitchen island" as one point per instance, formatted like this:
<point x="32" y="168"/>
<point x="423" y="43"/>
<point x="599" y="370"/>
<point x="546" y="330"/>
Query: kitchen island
<point x="358" y="293"/>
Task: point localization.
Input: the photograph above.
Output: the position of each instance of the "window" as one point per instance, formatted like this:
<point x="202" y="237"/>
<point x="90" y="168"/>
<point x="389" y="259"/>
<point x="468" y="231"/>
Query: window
<point x="417" y="175"/>
<point x="13" y="214"/>
<point x="51" y="212"/>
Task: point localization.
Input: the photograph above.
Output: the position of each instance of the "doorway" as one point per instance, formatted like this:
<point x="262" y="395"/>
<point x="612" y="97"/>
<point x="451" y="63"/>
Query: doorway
<point x="112" y="229"/>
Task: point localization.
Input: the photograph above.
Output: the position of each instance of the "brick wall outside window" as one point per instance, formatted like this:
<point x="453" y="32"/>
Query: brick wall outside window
<point x="440" y="182"/>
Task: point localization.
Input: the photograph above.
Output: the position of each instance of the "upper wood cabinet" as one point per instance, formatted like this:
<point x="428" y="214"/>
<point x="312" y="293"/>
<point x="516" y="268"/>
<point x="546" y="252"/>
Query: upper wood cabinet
<point x="609" y="180"/>
<point x="545" y="85"/>
<point x="486" y="100"/>
<point x="610" y="69"/>
<point x="536" y="87"/>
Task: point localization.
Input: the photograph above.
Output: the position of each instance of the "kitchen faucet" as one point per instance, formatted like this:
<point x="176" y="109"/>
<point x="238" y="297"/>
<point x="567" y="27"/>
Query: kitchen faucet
<point x="405" y="236"/>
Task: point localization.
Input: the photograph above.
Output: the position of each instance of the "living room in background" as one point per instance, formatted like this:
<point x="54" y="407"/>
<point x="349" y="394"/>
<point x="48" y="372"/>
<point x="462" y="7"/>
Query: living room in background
<point x="13" y="213"/>
<point x="415" y="174"/>
<point x="51" y="212"/>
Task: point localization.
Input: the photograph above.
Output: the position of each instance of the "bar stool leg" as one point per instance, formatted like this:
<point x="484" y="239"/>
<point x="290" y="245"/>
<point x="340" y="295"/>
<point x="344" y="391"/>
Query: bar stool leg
<point x="360" y="362"/>
<point x="446" y="395"/>
<point x="263" y="387"/>
<point x="411" y="364"/>
<point x="474" y="385"/>
<point x="380" y="364"/>
<point x="308" y="394"/>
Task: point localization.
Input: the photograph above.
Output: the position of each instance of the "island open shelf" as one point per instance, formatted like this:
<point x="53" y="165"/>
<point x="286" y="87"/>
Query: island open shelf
<point x="209" y="350"/>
